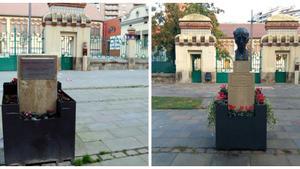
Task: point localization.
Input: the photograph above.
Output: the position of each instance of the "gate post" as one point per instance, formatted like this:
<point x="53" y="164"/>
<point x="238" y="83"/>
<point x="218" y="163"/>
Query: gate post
<point x="131" y="47"/>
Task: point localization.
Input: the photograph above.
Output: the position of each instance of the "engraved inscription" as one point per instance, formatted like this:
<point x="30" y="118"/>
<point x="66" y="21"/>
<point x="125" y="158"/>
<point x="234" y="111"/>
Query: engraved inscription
<point x="37" y="68"/>
<point x="242" y="80"/>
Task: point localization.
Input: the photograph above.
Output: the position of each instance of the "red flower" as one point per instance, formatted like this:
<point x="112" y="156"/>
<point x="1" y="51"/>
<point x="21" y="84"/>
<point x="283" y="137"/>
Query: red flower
<point x="251" y="108"/>
<point x="230" y="107"/>
<point x="14" y="81"/>
<point x="258" y="90"/>
<point x="221" y="96"/>
<point x="241" y="108"/>
<point x="260" y="98"/>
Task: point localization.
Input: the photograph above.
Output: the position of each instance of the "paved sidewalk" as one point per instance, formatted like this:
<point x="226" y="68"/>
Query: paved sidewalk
<point x="111" y="114"/>
<point x="181" y="137"/>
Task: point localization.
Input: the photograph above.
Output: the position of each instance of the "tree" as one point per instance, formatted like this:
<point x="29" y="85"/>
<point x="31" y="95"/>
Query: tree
<point x="165" y="26"/>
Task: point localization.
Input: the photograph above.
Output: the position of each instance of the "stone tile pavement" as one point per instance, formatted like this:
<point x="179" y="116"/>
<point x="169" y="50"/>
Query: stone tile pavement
<point x="111" y="113"/>
<point x="181" y="137"/>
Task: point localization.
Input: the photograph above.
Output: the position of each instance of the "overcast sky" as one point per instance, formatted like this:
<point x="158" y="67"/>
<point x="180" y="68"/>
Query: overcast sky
<point x="239" y="11"/>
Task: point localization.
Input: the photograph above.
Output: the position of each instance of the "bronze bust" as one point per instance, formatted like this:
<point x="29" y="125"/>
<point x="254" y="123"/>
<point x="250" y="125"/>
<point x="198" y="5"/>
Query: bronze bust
<point x="241" y="37"/>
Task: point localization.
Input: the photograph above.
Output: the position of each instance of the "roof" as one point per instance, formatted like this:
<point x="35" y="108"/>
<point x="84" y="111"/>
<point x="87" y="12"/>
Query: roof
<point x="282" y="17"/>
<point x="40" y="9"/>
<point x="228" y="28"/>
<point x="195" y="17"/>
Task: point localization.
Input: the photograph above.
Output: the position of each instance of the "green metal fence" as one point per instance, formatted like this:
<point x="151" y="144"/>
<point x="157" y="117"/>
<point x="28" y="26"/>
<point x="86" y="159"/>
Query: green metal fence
<point x="14" y="43"/>
<point x="116" y="43"/>
<point x="163" y="67"/>
<point x="224" y="65"/>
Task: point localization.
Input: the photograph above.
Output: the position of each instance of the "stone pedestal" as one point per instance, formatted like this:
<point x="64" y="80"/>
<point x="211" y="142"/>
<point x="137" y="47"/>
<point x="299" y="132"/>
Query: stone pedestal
<point x="296" y="79"/>
<point x="241" y="85"/>
<point x="37" y="83"/>
<point x="84" y="63"/>
<point x="131" y="47"/>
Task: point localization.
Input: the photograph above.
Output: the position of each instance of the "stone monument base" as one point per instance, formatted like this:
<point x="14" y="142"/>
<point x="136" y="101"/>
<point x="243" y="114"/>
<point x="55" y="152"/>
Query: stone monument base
<point x="241" y="86"/>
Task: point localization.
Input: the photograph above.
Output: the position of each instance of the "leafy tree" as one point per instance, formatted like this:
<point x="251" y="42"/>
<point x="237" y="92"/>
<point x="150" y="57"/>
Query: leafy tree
<point x="165" y="25"/>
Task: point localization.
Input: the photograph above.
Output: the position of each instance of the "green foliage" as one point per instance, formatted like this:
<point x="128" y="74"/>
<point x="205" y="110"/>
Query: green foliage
<point x="165" y="25"/>
<point x="86" y="159"/>
<point x="211" y="114"/>
<point x="77" y="162"/>
<point x="271" y="119"/>
<point x="104" y="152"/>
<point x="175" y="102"/>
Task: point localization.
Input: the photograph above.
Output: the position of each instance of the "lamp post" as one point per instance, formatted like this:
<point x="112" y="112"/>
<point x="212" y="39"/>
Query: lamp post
<point x="29" y="28"/>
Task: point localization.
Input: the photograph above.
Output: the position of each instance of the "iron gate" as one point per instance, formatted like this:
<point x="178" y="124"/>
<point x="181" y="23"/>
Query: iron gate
<point x="281" y="62"/>
<point x="67" y="52"/>
<point x="224" y="66"/>
<point x="256" y="66"/>
<point x="196" y="68"/>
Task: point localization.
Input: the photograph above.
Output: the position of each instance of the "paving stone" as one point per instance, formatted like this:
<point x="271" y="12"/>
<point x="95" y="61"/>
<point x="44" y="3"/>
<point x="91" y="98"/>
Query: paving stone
<point x="127" y="161"/>
<point x="163" y="159"/>
<point x="131" y="152"/>
<point x="122" y="144"/>
<point x="65" y="163"/>
<point x="269" y="160"/>
<point x="49" y="164"/>
<point x="143" y="151"/>
<point x="281" y="144"/>
<point x="294" y="159"/>
<point x="94" y="164"/>
<point x="106" y="157"/>
<point x="94" y="136"/>
<point x="95" y="147"/>
<point x="230" y="160"/>
<point x="119" y="154"/>
<point x="188" y="159"/>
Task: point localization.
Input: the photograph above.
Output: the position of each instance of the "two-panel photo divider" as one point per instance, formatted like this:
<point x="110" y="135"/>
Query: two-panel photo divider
<point x="150" y="83"/>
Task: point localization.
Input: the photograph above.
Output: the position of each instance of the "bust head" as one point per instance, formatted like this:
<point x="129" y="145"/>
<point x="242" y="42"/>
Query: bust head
<point x="241" y="37"/>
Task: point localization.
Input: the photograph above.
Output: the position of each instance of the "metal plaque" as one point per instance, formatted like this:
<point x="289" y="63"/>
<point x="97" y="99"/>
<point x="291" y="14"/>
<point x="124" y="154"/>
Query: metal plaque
<point x="38" y="68"/>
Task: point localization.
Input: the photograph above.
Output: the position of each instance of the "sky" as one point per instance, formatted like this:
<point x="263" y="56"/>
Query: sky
<point x="239" y="11"/>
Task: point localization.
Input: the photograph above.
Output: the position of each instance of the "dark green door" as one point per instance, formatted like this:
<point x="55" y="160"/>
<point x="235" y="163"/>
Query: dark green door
<point x="280" y="77"/>
<point x="257" y="78"/>
<point x="223" y="68"/>
<point x="222" y="77"/>
<point x="196" y="68"/>
<point x="66" y="62"/>
<point x="67" y="52"/>
<point x="8" y="63"/>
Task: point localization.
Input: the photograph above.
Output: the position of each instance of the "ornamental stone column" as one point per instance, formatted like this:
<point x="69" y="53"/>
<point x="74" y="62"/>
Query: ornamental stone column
<point x="131" y="47"/>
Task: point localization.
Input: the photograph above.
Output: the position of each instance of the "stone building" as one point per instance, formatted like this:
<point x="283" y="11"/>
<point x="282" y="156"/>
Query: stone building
<point x="275" y="50"/>
<point x="195" y="49"/>
<point x="14" y="28"/>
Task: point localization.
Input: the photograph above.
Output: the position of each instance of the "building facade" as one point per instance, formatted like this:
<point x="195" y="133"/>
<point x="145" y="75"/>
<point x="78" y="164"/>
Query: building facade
<point x="138" y="19"/>
<point x="115" y="10"/>
<point x="111" y="37"/>
<point x="275" y="50"/>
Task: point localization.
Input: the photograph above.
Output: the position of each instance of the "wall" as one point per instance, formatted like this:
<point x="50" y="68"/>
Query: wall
<point x="269" y="61"/>
<point x="184" y="62"/>
<point x="53" y="41"/>
<point x="107" y="33"/>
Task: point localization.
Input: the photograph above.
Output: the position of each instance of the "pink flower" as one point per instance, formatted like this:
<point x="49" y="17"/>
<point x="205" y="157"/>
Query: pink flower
<point x="223" y="86"/>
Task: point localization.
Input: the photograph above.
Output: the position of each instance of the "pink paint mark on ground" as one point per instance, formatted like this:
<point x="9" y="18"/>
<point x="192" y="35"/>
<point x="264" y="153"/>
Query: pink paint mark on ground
<point x="267" y="87"/>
